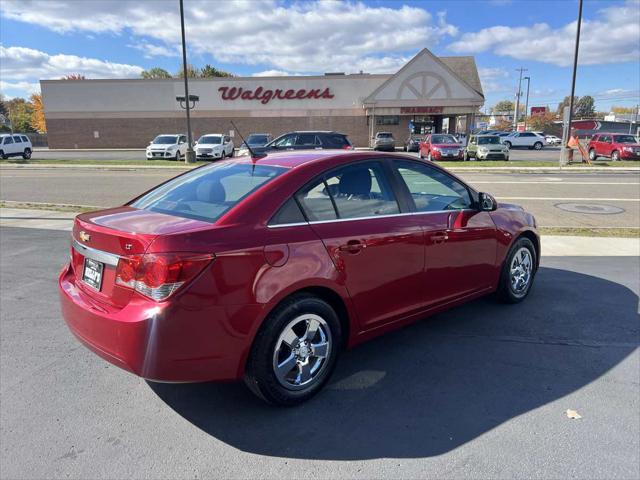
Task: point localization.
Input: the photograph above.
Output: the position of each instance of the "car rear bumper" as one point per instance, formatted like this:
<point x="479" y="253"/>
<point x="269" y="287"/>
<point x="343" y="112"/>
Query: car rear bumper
<point x="174" y="341"/>
<point x="386" y="147"/>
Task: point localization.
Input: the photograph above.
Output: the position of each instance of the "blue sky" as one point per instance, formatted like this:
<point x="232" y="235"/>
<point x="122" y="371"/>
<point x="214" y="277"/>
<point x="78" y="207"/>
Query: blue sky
<point x="118" y="38"/>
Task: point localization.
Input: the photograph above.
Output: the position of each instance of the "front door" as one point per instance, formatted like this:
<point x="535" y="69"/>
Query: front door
<point x="460" y="240"/>
<point x="379" y="254"/>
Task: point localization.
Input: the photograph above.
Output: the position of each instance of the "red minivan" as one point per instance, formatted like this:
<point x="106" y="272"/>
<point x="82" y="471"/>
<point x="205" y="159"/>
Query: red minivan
<point x="264" y="269"/>
<point x="616" y="146"/>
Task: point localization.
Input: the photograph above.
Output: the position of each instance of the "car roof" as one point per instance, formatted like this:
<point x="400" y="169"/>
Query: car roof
<point x="212" y="135"/>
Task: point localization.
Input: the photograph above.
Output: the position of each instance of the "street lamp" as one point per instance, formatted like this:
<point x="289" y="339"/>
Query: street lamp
<point x="526" y="105"/>
<point x="192" y="101"/>
<point x="190" y="157"/>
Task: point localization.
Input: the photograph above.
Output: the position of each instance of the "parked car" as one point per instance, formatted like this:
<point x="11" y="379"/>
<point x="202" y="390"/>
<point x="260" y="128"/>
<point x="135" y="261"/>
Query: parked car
<point x="616" y="146"/>
<point x="254" y="140"/>
<point x="384" y="141"/>
<point x="306" y="140"/>
<point x="412" y="143"/>
<point x="214" y="145"/>
<point x="172" y="146"/>
<point x="552" y="140"/>
<point x="440" y="146"/>
<point x="265" y="269"/>
<point x="486" y="147"/>
<point x="530" y="140"/>
<point x="15" y="145"/>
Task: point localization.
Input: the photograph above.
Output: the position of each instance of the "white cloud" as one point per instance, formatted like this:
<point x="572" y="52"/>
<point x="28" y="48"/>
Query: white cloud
<point x="315" y="36"/>
<point x="151" y="50"/>
<point x="612" y="37"/>
<point x="22" y="66"/>
<point x="271" y="73"/>
<point x="24" y="88"/>
<point x="494" y="80"/>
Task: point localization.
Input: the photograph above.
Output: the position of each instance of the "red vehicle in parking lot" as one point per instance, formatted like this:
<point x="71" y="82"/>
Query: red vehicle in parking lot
<point x="616" y="146"/>
<point x="264" y="269"/>
<point x="440" y="146"/>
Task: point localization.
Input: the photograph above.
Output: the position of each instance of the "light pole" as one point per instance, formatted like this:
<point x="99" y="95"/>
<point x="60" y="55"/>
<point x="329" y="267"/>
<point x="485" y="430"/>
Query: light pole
<point x="190" y="157"/>
<point x="526" y="105"/>
<point x="564" y="155"/>
<point x="518" y="95"/>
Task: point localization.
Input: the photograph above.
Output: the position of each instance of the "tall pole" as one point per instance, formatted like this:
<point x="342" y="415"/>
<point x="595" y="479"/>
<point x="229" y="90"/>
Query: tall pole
<point x="190" y="156"/>
<point x="518" y="95"/>
<point x="526" y="105"/>
<point x="573" y="80"/>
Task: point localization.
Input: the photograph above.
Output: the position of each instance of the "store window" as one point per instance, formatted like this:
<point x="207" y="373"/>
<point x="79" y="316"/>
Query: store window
<point x="388" y="120"/>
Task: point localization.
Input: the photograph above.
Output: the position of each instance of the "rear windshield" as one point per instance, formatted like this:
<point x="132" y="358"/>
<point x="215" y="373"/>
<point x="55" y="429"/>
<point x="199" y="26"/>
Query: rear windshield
<point x="385" y="135"/>
<point x="210" y="140"/>
<point x="257" y="140"/>
<point x="443" y="139"/>
<point x="488" y="140"/>
<point x="625" y="139"/>
<point x="208" y="192"/>
<point x="165" y="140"/>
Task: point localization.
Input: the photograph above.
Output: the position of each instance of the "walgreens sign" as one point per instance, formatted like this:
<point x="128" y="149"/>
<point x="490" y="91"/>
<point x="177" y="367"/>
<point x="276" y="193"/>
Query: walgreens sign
<point x="265" y="95"/>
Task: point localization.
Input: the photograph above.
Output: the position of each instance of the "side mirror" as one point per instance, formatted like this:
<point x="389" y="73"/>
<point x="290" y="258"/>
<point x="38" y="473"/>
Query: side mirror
<point x="487" y="202"/>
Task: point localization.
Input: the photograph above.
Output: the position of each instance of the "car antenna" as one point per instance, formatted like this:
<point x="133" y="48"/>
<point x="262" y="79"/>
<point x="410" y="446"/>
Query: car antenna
<point x="254" y="156"/>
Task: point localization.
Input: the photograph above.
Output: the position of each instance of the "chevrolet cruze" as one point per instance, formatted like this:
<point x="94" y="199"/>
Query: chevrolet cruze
<point x="265" y="269"/>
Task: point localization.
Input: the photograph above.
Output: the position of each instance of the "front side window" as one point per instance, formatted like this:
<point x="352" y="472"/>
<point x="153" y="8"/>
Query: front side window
<point x="432" y="190"/>
<point x="8" y="140"/>
<point x="354" y="191"/>
<point x="605" y="139"/>
<point x="207" y="193"/>
<point x="285" y="141"/>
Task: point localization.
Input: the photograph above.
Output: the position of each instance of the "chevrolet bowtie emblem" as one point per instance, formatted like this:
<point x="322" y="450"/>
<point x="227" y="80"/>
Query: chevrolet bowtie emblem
<point x="84" y="236"/>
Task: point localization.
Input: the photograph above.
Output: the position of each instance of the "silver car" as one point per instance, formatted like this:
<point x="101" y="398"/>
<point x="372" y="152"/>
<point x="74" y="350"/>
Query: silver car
<point x="384" y="141"/>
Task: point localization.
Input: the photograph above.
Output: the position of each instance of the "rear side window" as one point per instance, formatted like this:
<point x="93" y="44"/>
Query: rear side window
<point x="208" y="192"/>
<point x="25" y="139"/>
<point x="355" y="191"/>
<point x="307" y="140"/>
<point x="336" y="141"/>
<point x="289" y="213"/>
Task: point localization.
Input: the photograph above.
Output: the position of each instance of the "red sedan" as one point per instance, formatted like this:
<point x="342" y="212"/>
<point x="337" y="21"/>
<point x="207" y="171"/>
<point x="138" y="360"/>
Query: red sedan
<point x="265" y="269"/>
<point x="440" y="146"/>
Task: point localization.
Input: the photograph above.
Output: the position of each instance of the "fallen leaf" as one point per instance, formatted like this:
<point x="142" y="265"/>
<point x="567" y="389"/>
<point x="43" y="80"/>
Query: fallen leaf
<point x="573" y="414"/>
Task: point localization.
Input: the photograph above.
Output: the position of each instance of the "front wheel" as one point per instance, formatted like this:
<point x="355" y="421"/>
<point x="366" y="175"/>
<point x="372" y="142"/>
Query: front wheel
<point x="178" y="156"/>
<point x="615" y="155"/>
<point x="465" y="157"/>
<point x="518" y="271"/>
<point x="295" y="351"/>
<point x="26" y="154"/>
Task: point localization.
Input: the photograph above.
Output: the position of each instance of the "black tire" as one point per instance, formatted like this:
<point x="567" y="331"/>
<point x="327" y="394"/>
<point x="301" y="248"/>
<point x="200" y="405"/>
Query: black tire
<point x="506" y="291"/>
<point x="508" y="144"/>
<point x="593" y="156"/>
<point x="223" y="155"/>
<point x="26" y="154"/>
<point x="3" y="155"/>
<point x="537" y="146"/>
<point x="231" y="154"/>
<point x="420" y="154"/>
<point x="260" y="374"/>
<point x="465" y="157"/>
<point x="177" y="157"/>
<point x="615" y="156"/>
<point x="429" y="157"/>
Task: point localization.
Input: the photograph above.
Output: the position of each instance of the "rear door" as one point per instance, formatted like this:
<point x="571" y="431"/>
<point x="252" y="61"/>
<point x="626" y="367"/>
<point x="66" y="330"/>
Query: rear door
<point x="378" y="252"/>
<point x="460" y="240"/>
<point x="307" y="141"/>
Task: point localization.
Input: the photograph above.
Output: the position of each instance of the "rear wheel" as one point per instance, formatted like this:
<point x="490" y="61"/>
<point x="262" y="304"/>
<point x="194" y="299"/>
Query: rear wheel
<point x="295" y="351"/>
<point x="508" y="144"/>
<point x="615" y="155"/>
<point x="26" y="154"/>
<point x="3" y="155"/>
<point x="592" y="154"/>
<point x="537" y="146"/>
<point x="518" y="271"/>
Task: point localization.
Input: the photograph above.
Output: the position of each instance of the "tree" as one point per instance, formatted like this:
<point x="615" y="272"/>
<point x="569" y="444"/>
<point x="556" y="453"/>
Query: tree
<point x="585" y="107"/>
<point x="155" y="72"/>
<point x="192" y="72"/>
<point x="74" y="76"/>
<point x="20" y="112"/>
<point x="37" y="116"/>
<point x="622" y="110"/>
<point x="542" y="123"/>
<point x="210" y="72"/>
<point x="3" y="107"/>
<point x="565" y="103"/>
<point x="504" y="106"/>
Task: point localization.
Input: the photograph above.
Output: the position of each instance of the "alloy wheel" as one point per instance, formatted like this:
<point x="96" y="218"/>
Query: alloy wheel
<point x="520" y="271"/>
<point x="301" y="352"/>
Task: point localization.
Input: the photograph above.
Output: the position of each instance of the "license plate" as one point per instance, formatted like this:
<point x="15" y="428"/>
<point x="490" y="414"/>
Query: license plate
<point x="92" y="273"/>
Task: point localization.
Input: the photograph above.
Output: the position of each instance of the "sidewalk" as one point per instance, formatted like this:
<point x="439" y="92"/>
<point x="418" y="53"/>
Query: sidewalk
<point x="552" y="245"/>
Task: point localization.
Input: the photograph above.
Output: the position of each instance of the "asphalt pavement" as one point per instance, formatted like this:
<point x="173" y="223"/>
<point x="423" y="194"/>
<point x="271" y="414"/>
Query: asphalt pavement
<point x="560" y="199"/>
<point x="480" y="391"/>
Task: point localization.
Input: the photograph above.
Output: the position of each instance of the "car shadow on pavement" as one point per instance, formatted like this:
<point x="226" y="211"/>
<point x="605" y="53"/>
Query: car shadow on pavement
<point x="435" y="385"/>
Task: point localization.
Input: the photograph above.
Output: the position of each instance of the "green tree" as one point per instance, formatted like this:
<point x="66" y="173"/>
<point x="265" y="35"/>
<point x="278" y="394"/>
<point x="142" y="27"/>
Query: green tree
<point x="542" y="123"/>
<point x="565" y="103"/>
<point x="192" y="72"/>
<point x="3" y="107"/>
<point x="20" y="112"/>
<point x="503" y="106"/>
<point x="155" y="72"/>
<point x="585" y="107"/>
<point x="210" y="72"/>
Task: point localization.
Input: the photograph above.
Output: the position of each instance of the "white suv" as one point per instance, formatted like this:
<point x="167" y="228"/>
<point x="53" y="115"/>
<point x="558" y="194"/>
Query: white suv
<point x="15" y="145"/>
<point x="214" y="145"/>
<point x="172" y="146"/>
<point x="524" y="139"/>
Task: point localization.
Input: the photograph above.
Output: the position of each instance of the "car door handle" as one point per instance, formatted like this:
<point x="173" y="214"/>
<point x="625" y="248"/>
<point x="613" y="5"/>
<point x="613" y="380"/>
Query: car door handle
<point x="353" y="246"/>
<point x="439" y="237"/>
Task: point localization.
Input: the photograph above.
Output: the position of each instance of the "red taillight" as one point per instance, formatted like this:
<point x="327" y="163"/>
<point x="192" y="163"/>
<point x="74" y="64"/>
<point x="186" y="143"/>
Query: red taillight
<point x="346" y="146"/>
<point x="159" y="275"/>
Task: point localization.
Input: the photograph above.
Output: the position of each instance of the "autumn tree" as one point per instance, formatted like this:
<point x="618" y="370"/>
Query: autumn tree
<point x="503" y="106"/>
<point x="542" y="123"/>
<point x="74" y="76"/>
<point x="623" y="110"/>
<point x="155" y="72"/>
<point x="37" y="116"/>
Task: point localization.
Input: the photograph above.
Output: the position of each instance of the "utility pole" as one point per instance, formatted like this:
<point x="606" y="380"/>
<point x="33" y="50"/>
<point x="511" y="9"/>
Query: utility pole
<point x="564" y="155"/>
<point x="518" y="95"/>
<point x="190" y="157"/>
<point x="526" y="105"/>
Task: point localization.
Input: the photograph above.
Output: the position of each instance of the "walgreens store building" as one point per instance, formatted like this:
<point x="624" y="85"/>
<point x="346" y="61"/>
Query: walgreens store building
<point x="428" y="94"/>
